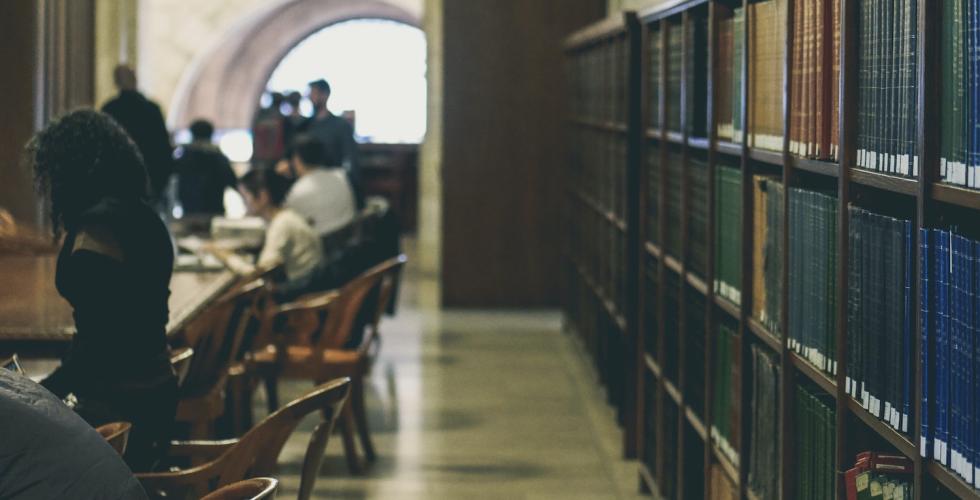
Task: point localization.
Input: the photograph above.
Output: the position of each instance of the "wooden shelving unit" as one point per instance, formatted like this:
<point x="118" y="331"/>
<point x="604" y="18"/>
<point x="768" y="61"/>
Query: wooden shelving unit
<point x="649" y="384"/>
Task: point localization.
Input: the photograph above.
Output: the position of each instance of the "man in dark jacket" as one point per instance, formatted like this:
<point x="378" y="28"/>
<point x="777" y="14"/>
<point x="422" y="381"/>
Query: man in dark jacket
<point x="203" y="172"/>
<point x="336" y="134"/>
<point x="48" y="451"/>
<point x="143" y="121"/>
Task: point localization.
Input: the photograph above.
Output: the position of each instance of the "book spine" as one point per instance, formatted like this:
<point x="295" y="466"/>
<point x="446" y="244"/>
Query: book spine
<point x="925" y="332"/>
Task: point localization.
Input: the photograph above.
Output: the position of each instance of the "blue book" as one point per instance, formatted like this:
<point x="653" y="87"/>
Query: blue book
<point x="976" y="359"/>
<point x="954" y="324"/>
<point x="925" y="325"/>
<point x="942" y="348"/>
<point x="973" y="129"/>
<point x="966" y="359"/>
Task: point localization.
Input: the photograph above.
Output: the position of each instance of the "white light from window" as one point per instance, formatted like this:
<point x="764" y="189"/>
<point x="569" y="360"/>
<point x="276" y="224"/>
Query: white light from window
<point x="375" y="67"/>
<point x="236" y="144"/>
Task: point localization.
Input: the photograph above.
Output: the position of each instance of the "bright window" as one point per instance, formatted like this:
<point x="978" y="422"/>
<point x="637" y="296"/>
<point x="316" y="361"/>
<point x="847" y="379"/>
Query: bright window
<point x="375" y="67"/>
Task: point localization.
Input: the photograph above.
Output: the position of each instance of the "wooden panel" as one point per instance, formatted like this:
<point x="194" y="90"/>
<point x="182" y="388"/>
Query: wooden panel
<point x="17" y="21"/>
<point x="503" y="147"/>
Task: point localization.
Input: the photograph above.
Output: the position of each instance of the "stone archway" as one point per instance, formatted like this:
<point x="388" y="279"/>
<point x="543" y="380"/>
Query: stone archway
<point x="224" y="84"/>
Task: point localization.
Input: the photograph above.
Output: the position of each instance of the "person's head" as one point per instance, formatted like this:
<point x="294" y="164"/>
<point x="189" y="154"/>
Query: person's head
<point x="202" y="130"/>
<point x="124" y="77"/>
<point x="293" y="99"/>
<point x="277" y="99"/>
<point x="263" y="190"/>
<point x="319" y="93"/>
<point x="309" y="153"/>
<point x="81" y="159"/>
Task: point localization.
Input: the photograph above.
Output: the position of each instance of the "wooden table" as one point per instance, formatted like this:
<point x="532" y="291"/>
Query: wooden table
<point x="36" y="321"/>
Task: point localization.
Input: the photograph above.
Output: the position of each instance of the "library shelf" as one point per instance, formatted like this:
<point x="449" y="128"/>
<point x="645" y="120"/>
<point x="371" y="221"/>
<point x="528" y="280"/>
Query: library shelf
<point x="653" y="133"/>
<point x="956" y="195"/>
<point x="902" y="185"/>
<point x="699" y="143"/>
<point x="949" y="479"/>
<point x="606" y="125"/>
<point x="727" y="306"/>
<point x="726" y="464"/>
<point x="766" y="156"/>
<point x="652" y="364"/>
<point x="750" y="495"/>
<point x="811" y="372"/>
<point x="697" y="283"/>
<point x="895" y="438"/>
<point x="652" y="249"/>
<point x="728" y="148"/>
<point x="671" y="390"/>
<point x="821" y="167"/>
<point x="595" y="33"/>
<point x="667" y="8"/>
<point x="763" y="334"/>
<point x="673" y="264"/>
<point x="696" y="423"/>
<point x="675" y="137"/>
<point x="609" y="215"/>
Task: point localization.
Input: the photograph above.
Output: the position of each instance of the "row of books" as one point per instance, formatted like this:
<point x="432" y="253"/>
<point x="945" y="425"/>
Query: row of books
<point x="598" y="169"/>
<point x="879" y="476"/>
<point x="816" y="444"/>
<point x="697" y="221"/>
<point x="767" y="42"/>
<point x="675" y="191"/>
<point x="813" y="277"/>
<point x="767" y="244"/>
<point x="879" y="316"/>
<point x="598" y="249"/>
<point x="764" y="463"/>
<point x="888" y="86"/>
<point x="694" y="351"/>
<point x="731" y="56"/>
<point x="950" y="301"/>
<point x="728" y="233"/>
<point x="814" y="127"/>
<point x="724" y="404"/>
<point x="960" y="147"/>
<point x="599" y="77"/>
<point x="653" y="194"/>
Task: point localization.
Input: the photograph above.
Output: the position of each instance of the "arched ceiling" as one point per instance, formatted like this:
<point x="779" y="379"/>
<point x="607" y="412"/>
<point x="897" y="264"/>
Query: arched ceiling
<point x="224" y="85"/>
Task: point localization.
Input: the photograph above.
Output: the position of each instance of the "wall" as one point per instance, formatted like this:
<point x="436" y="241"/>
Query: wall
<point x="503" y="125"/>
<point x="429" y="232"/>
<point x="175" y="34"/>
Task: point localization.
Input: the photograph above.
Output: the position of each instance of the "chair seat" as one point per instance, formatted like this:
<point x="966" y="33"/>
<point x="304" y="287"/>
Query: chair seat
<point x="208" y="406"/>
<point x="300" y="361"/>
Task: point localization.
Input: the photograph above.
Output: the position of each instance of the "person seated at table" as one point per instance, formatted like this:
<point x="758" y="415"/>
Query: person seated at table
<point x="48" y="451"/>
<point x="203" y="173"/>
<point x="322" y="192"/>
<point x="114" y="269"/>
<point x="289" y="239"/>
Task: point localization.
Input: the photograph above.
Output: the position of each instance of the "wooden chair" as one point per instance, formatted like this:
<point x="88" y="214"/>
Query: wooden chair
<point x="12" y="364"/>
<point x="313" y="349"/>
<point x="263" y="488"/>
<point x="116" y="434"/>
<point x="255" y="454"/>
<point x="180" y="359"/>
<point x="215" y="338"/>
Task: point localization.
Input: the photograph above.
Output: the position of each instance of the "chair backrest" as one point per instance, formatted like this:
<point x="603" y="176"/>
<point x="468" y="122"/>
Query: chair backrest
<point x="12" y="364"/>
<point x="263" y="488"/>
<point x="255" y="454"/>
<point x="116" y="434"/>
<point x="215" y="337"/>
<point x="386" y="290"/>
<point x="180" y="359"/>
<point x="343" y="311"/>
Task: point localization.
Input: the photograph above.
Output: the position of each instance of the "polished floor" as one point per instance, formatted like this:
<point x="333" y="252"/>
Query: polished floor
<point x="475" y="405"/>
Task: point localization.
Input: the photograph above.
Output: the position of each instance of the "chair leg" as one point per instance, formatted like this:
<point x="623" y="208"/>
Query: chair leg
<point x="360" y="417"/>
<point x="347" y="425"/>
<point x="314" y="457"/>
<point x="272" y="392"/>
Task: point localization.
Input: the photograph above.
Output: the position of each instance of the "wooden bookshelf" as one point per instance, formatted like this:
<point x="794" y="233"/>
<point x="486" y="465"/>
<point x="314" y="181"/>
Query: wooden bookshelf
<point x="649" y="255"/>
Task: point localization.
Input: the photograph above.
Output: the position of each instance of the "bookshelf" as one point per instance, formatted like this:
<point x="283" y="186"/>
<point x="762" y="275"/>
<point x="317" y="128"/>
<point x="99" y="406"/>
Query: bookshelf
<point x="663" y="325"/>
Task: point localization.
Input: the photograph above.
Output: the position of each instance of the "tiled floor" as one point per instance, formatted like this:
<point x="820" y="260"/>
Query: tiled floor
<point x="476" y="405"/>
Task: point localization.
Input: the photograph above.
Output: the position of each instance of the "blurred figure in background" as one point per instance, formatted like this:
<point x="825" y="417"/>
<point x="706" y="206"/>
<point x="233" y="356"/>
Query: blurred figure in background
<point x="203" y="172"/>
<point x="268" y="133"/>
<point x="143" y="121"/>
<point x="336" y="133"/>
<point x="322" y="193"/>
<point x="295" y="119"/>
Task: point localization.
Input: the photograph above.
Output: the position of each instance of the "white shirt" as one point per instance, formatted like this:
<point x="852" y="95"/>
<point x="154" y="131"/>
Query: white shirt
<point x="323" y="196"/>
<point x="291" y="241"/>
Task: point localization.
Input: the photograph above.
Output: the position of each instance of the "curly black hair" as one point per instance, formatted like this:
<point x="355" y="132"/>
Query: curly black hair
<point x="81" y="159"/>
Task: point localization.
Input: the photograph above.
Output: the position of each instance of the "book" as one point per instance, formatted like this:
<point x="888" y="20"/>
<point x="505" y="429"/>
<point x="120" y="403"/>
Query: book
<point x="728" y="233"/>
<point x="815" y="80"/>
<point x="815" y="444"/>
<point x="764" y="462"/>
<point x="675" y="68"/>
<point x="766" y="25"/>
<point x="767" y="262"/>
<point x="724" y="427"/>
<point x="697" y="222"/>
<point x="655" y="84"/>
<point x="723" y="76"/>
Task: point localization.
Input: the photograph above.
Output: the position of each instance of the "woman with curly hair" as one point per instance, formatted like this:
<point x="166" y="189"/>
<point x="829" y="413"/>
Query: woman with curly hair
<point x="114" y="269"/>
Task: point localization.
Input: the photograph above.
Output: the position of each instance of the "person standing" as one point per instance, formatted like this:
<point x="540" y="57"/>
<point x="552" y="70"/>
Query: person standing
<point x="203" y="172"/>
<point x="142" y="119"/>
<point x="269" y="133"/>
<point x="336" y="133"/>
<point x="114" y="270"/>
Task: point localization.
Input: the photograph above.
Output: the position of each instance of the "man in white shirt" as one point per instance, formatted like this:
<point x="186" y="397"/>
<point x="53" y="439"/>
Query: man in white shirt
<point x="322" y="194"/>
